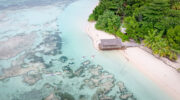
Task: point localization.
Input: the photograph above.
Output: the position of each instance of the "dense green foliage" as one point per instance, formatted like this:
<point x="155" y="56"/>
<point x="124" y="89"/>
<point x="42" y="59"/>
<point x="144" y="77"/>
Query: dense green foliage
<point x="159" y="45"/>
<point x="108" y="22"/>
<point x="133" y="27"/>
<point x="154" y="22"/>
<point x="173" y="36"/>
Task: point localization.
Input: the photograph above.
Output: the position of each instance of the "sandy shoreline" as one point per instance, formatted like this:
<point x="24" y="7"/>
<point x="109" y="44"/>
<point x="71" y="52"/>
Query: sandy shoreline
<point x="97" y="35"/>
<point x="163" y="75"/>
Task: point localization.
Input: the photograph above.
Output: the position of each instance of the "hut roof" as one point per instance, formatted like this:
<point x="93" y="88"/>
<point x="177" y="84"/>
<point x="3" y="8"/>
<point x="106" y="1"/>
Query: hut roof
<point x="110" y="44"/>
<point x="111" y="41"/>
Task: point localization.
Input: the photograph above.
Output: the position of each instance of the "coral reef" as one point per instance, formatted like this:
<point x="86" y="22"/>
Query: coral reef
<point x="15" y="45"/>
<point x="31" y="79"/>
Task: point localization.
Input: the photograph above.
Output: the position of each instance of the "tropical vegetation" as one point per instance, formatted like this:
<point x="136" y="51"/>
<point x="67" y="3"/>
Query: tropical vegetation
<point x="156" y="23"/>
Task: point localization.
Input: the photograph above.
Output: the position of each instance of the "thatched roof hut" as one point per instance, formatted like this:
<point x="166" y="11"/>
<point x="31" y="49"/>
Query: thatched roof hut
<point x="110" y="44"/>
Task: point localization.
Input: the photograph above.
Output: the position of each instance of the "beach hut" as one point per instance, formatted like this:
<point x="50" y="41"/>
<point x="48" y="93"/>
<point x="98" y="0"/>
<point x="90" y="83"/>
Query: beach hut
<point x="110" y="44"/>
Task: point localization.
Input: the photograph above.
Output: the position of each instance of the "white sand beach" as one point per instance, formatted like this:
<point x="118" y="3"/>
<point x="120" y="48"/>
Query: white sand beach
<point x="153" y="68"/>
<point x="97" y="35"/>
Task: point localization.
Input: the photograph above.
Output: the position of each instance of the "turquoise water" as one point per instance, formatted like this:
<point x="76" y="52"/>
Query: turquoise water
<point x="48" y="54"/>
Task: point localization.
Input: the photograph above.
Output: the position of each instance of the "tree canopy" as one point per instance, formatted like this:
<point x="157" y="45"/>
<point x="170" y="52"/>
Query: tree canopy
<point x="156" y="22"/>
<point x="108" y="22"/>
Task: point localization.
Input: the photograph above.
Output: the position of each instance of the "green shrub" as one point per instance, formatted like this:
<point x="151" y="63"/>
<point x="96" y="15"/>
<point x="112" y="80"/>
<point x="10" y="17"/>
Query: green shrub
<point x="157" y="22"/>
<point x="173" y="37"/>
<point x="159" y="45"/>
<point x="91" y="18"/>
<point x="133" y="29"/>
<point x="98" y="11"/>
<point x="122" y="36"/>
<point x="108" y="22"/>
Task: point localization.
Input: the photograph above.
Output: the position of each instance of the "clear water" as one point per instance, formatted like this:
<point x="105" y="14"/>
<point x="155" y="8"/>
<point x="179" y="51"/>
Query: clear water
<point x="45" y="51"/>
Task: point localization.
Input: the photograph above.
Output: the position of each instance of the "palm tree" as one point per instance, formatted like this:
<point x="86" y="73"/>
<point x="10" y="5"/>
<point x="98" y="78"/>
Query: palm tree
<point x="150" y="38"/>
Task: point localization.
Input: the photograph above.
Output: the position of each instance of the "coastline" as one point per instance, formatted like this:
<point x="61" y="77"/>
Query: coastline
<point x="166" y="77"/>
<point x="97" y="35"/>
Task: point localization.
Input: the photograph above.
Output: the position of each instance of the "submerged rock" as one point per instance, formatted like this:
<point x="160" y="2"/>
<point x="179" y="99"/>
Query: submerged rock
<point x="51" y="97"/>
<point x="95" y="81"/>
<point x="90" y="84"/>
<point x="82" y="97"/>
<point x="125" y="96"/>
<point x="53" y="52"/>
<point x="99" y="67"/>
<point x="48" y="65"/>
<point x="68" y="71"/>
<point x="96" y="71"/>
<point x="47" y="85"/>
<point x="85" y="63"/>
<point x="98" y="94"/>
<point x="63" y="59"/>
<point x="33" y="58"/>
<point x="131" y="98"/>
<point x="70" y="75"/>
<point x="51" y="44"/>
<point x="106" y="98"/>
<point x="95" y="96"/>
<point x="16" y="45"/>
<point x="121" y="86"/>
<point x="58" y="45"/>
<point x="107" y="86"/>
<point x="32" y="79"/>
<point x="81" y="86"/>
<point x="64" y="96"/>
<point x="17" y="70"/>
<point x="71" y="63"/>
<point x="34" y="94"/>
<point x="79" y="71"/>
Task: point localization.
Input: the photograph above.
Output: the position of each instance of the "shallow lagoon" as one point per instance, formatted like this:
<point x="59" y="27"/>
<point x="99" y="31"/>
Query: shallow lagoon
<point x="61" y="63"/>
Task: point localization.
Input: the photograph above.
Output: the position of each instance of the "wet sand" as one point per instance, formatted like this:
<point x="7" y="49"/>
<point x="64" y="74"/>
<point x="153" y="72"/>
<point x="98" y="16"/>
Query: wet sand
<point x="163" y="75"/>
